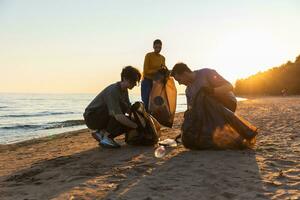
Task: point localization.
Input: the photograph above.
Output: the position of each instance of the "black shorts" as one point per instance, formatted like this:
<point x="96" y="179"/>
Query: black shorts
<point x="96" y="120"/>
<point x="100" y="119"/>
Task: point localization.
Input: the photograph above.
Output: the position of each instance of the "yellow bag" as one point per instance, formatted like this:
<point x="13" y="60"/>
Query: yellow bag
<point x="162" y="101"/>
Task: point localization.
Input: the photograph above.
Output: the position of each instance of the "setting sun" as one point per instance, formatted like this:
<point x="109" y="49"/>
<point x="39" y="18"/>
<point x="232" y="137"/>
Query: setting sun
<point x="83" y="48"/>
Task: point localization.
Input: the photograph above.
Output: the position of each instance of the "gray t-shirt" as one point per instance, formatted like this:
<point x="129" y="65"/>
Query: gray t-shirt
<point x="208" y="78"/>
<point x="113" y="98"/>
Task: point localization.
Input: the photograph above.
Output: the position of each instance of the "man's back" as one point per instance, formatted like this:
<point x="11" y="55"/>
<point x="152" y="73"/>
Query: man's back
<point x="112" y="97"/>
<point x="209" y="78"/>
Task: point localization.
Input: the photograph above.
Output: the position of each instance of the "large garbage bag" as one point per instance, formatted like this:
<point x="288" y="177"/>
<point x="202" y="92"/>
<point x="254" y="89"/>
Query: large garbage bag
<point x="162" y="99"/>
<point x="148" y="130"/>
<point x="209" y="125"/>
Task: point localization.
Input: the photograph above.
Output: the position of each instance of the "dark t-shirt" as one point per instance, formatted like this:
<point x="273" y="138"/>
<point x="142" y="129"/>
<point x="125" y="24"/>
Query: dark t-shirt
<point x="208" y="78"/>
<point x="113" y="98"/>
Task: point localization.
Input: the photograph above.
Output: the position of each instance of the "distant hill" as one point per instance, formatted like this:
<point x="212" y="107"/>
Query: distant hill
<point x="282" y="80"/>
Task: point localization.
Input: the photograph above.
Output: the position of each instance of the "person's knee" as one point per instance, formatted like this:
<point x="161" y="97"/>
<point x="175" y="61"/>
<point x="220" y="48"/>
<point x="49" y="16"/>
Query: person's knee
<point x="89" y="122"/>
<point x="95" y="120"/>
<point x="115" y="128"/>
<point x="232" y="106"/>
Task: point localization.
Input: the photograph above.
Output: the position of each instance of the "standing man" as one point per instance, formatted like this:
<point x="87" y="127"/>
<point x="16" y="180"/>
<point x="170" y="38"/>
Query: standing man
<point x="106" y="113"/>
<point x="153" y="62"/>
<point x="208" y="79"/>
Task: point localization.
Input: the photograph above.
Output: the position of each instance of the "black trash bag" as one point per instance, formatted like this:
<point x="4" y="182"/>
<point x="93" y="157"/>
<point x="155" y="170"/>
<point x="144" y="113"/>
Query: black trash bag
<point x="148" y="130"/>
<point x="210" y="125"/>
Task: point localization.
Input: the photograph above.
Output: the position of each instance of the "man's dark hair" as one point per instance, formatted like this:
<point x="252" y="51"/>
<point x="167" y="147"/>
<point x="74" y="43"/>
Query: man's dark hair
<point x="157" y="41"/>
<point x="179" y="69"/>
<point x="130" y="73"/>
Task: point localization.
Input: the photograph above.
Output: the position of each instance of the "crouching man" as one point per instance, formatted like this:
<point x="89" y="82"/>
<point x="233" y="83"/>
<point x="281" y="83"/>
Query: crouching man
<point x="106" y="113"/>
<point x="213" y="83"/>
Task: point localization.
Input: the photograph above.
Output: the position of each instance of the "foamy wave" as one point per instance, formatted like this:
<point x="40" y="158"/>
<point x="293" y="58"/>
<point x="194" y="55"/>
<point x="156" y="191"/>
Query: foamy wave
<point x="51" y="125"/>
<point x="46" y="113"/>
<point x="67" y="123"/>
<point x="24" y="126"/>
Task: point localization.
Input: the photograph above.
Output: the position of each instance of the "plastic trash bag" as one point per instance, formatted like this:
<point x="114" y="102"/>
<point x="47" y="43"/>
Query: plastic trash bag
<point x="209" y="125"/>
<point x="148" y="130"/>
<point x="162" y="99"/>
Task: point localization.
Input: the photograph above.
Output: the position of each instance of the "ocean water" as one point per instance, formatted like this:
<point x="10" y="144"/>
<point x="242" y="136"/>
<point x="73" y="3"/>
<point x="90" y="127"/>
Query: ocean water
<point x="27" y="116"/>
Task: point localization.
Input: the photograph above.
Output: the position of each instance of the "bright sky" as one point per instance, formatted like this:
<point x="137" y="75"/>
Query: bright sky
<point x="79" y="46"/>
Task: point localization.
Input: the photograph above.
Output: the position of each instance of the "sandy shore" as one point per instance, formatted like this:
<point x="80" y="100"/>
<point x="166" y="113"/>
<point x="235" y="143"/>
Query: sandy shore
<point x="72" y="166"/>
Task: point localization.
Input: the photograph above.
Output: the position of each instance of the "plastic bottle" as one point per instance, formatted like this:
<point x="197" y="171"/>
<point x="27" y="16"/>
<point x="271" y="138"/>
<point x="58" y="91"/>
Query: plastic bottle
<point x="160" y="152"/>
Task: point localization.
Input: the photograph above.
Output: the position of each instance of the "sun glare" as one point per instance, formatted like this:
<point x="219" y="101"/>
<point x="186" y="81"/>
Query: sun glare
<point x="248" y="51"/>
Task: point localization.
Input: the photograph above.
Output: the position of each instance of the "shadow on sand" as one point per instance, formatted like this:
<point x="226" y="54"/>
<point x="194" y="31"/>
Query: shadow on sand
<point x="134" y="173"/>
<point x="198" y="175"/>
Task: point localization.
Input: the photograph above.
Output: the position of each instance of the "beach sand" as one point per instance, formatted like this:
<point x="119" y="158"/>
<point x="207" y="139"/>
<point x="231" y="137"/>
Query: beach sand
<point x="72" y="166"/>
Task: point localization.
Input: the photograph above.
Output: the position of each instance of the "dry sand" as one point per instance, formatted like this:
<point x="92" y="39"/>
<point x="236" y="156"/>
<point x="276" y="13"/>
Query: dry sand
<point x="72" y="166"/>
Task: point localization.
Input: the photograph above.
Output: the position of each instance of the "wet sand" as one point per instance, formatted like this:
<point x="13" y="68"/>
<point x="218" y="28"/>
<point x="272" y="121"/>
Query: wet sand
<point x="72" y="166"/>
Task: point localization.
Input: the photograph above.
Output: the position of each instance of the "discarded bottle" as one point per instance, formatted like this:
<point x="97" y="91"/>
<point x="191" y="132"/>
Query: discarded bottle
<point x="168" y="143"/>
<point x="160" y="152"/>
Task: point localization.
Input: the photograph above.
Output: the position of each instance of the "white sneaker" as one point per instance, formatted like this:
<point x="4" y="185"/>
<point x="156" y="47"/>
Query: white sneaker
<point x="108" y="142"/>
<point x="98" y="135"/>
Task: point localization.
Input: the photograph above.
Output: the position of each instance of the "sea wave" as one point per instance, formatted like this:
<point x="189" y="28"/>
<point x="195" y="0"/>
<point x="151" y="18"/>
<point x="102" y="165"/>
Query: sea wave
<point x="39" y="114"/>
<point x="22" y="126"/>
<point x="63" y="124"/>
<point x="51" y="125"/>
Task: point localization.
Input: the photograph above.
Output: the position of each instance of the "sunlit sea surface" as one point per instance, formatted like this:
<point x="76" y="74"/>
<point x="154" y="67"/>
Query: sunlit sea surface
<point x="27" y="116"/>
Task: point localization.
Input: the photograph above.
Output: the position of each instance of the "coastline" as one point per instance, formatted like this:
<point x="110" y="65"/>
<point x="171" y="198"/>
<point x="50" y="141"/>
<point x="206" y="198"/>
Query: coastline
<point x="13" y="146"/>
<point x="49" y="132"/>
<point x="72" y="165"/>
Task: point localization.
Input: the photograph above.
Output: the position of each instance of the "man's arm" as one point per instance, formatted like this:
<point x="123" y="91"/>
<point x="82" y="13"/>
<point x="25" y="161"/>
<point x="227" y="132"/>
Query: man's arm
<point x="220" y="85"/>
<point x="125" y="121"/>
<point x="223" y="89"/>
<point x="146" y="63"/>
<point x="188" y="100"/>
<point x="164" y="62"/>
<point x="114" y="109"/>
